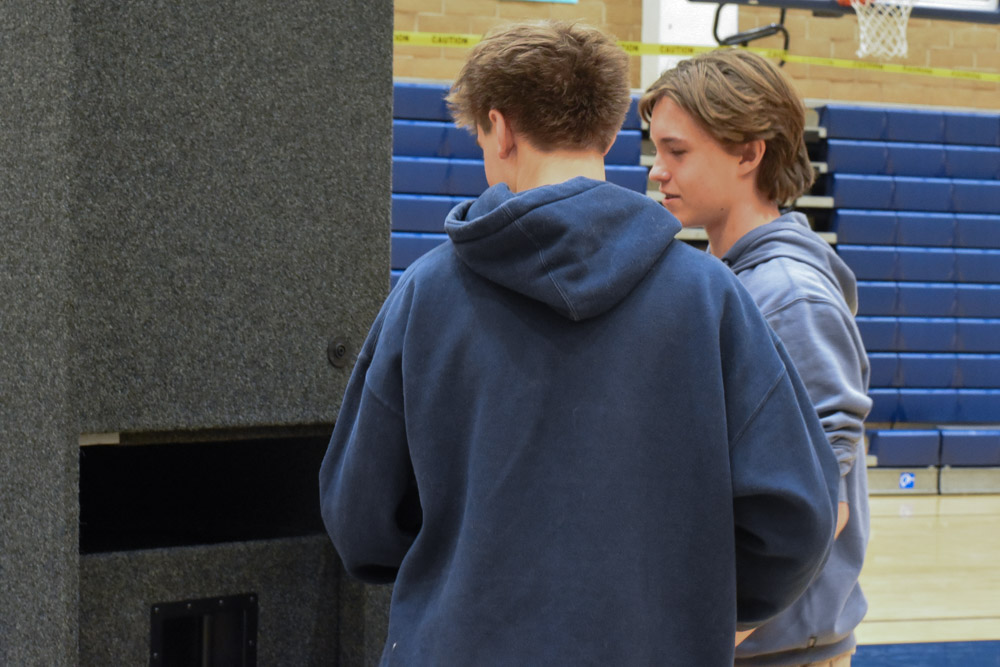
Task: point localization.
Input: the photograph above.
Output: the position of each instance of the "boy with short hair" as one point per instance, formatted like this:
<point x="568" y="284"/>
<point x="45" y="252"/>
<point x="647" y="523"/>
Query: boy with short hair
<point x="728" y="131"/>
<point x="559" y="440"/>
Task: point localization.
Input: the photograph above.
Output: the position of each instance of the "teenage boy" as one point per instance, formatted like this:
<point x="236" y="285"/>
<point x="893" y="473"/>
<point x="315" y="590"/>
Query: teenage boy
<point x="728" y="131"/>
<point x="570" y="439"/>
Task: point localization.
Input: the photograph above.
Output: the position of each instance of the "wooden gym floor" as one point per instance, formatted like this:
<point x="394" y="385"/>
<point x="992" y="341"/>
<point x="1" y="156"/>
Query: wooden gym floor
<point x="932" y="571"/>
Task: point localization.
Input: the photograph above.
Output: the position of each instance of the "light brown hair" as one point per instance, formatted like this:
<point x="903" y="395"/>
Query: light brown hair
<point x="737" y="96"/>
<point x="561" y="85"/>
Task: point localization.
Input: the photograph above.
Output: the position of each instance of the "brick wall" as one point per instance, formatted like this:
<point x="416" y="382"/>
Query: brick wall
<point x="948" y="44"/>
<point x="622" y="18"/>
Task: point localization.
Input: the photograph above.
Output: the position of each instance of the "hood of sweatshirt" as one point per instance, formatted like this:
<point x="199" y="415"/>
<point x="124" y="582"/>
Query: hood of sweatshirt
<point x="790" y="236"/>
<point x="579" y="247"/>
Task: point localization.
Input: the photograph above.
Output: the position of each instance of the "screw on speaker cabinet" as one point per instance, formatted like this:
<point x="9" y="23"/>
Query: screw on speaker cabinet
<point x="338" y="352"/>
<point x="210" y="632"/>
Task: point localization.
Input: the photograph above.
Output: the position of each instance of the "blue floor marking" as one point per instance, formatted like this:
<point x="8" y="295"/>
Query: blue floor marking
<point x="937" y="654"/>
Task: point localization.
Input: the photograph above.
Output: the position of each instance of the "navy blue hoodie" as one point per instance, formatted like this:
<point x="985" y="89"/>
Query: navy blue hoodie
<point x="571" y="440"/>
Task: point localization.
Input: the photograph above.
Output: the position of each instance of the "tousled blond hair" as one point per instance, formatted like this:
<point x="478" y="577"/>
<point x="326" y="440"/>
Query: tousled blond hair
<point x="737" y="96"/>
<point x="561" y="85"/>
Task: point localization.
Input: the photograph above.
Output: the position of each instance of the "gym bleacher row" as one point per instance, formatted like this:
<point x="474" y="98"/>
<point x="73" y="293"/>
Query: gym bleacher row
<point x="436" y="165"/>
<point x="916" y="198"/>
<point x="917" y="217"/>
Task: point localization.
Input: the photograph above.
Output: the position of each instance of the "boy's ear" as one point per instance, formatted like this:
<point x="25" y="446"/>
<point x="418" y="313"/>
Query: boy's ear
<point x="506" y="140"/>
<point x="751" y="154"/>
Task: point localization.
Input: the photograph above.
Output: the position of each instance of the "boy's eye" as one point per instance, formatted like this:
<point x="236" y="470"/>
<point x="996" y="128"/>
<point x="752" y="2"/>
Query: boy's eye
<point x="677" y="153"/>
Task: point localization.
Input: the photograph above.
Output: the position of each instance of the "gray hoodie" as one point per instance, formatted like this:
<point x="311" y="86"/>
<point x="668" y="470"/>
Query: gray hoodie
<point x="809" y="297"/>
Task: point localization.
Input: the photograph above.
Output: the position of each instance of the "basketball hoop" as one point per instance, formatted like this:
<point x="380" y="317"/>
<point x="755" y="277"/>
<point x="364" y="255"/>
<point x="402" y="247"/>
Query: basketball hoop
<point x="881" y="26"/>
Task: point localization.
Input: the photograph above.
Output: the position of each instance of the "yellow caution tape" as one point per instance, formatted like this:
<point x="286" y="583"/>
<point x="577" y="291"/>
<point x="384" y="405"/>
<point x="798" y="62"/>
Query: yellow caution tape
<point x="644" y="49"/>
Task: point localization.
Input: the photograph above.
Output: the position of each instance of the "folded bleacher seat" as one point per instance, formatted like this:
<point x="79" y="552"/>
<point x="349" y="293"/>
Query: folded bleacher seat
<point x="974" y="196"/>
<point x="421" y="213"/>
<point x="929" y="405"/>
<point x="928" y="371"/>
<point x="926" y="229"/>
<point x="860" y="227"/>
<point x="870" y="262"/>
<point x="879" y="333"/>
<point x="910" y="193"/>
<point x="424" y="138"/>
<point x="885" y="405"/>
<point x="926" y="125"/>
<point x="884" y="367"/>
<point x="900" y="448"/>
<point x="407" y="247"/>
<point x="908" y="159"/>
<point x="927" y="334"/>
<point x="932" y="126"/>
<point x="976" y="162"/>
<point x="980" y="129"/>
<point x="862" y="191"/>
<point x="918" y="299"/>
<point x="970" y="447"/>
<point x="915" y="370"/>
<point x="963" y="406"/>
<point x="926" y="264"/>
<point x="851" y="122"/>
<point x="916" y="228"/>
<point x="980" y="370"/>
<point x="982" y="301"/>
<point x="878" y="298"/>
<point x="850" y="156"/>
<point x="977" y="231"/>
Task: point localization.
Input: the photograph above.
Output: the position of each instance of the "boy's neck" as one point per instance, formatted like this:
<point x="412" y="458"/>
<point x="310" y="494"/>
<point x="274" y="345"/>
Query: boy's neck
<point x="535" y="168"/>
<point x="743" y="218"/>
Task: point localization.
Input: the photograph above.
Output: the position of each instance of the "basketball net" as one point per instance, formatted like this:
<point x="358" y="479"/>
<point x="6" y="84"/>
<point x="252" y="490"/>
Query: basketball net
<point x="882" y="27"/>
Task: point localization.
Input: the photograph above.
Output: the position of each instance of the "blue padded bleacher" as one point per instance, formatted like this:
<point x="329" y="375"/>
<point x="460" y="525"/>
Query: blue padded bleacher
<point x="426" y="138"/>
<point x="437" y="165"/>
<point x="421" y="213"/>
<point x="980" y="371"/>
<point x="931" y="447"/>
<point x="441" y="139"/>
<point x="976" y="162"/>
<point x="914" y="125"/>
<point x="917" y="299"/>
<point x="419" y="101"/>
<point x="880" y="262"/>
<point x="905" y="448"/>
<point x="437" y="176"/>
<point x="970" y="447"/>
<point x="963" y="406"/>
<point x="868" y="227"/>
<point x="913" y="159"/>
<point x="935" y="370"/>
<point x="425" y="101"/>
<point x="930" y="334"/>
<point x="445" y="176"/>
<point x="915" y="194"/>
<point x="917" y="216"/>
<point x="407" y="247"/>
<point x="977" y="231"/>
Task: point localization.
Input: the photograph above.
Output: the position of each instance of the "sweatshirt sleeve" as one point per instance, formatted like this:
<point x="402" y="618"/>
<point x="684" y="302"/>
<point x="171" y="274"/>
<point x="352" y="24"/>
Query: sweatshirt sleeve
<point x="368" y="495"/>
<point x="827" y="353"/>
<point x="784" y="475"/>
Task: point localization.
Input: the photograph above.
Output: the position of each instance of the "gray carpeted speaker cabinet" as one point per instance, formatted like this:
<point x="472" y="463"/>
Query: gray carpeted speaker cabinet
<point x="195" y="203"/>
